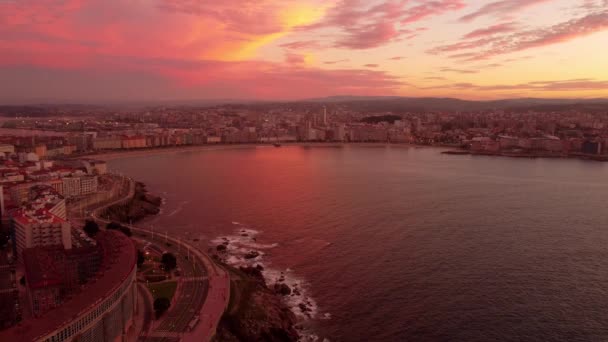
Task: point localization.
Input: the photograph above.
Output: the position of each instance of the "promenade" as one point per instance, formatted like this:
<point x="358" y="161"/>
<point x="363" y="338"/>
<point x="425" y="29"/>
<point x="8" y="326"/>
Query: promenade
<point x="203" y="290"/>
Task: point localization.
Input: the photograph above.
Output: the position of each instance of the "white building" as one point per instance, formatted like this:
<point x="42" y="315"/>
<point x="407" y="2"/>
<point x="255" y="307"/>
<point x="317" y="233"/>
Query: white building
<point x="39" y="227"/>
<point x="88" y="185"/>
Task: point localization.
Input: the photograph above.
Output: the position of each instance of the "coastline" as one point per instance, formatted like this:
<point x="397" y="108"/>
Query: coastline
<point x="118" y="154"/>
<point x="267" y="315"/>
<point x="529" y="155"/>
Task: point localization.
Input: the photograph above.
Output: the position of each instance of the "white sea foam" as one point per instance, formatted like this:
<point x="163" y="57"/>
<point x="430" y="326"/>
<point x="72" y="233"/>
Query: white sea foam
<point x="244" y="241"/>
<point x="175" y="212"/>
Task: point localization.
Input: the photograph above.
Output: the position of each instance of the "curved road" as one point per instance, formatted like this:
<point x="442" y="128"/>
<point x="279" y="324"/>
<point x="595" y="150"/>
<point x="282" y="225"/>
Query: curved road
<point x="215" y="300"/>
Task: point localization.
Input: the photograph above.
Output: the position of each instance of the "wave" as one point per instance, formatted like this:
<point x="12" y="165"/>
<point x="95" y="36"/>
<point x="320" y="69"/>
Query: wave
<point x="244" y="250"/>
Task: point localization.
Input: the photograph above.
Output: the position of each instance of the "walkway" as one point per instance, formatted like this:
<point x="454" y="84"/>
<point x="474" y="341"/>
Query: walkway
<point x="214" y="300"/>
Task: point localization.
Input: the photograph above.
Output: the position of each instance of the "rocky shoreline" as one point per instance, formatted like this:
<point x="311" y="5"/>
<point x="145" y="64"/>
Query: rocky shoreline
<point x="549" y="155"/>
<point x="255" y="312"/>
<point x="142" y="204"/>
<point x="284" y="298"/>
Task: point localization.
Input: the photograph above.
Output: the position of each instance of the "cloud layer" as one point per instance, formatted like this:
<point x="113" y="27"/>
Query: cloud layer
<point x="122" y="49"/>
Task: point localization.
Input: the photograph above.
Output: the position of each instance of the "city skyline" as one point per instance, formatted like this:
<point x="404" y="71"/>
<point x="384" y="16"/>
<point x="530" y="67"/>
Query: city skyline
<point x="96" y="51"/>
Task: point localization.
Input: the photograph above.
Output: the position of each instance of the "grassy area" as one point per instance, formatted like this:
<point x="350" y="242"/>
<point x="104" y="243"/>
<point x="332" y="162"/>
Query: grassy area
<point x="166" y="290"/>
<point x="144" y="268"/>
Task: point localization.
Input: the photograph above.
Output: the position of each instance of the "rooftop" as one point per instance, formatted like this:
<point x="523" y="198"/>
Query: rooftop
<point x="119" y="259"/>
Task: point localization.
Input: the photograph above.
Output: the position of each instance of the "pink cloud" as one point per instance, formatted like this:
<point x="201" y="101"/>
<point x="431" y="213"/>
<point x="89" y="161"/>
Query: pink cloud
<point x="459" y="71"/>
<point x="293" y="58"/>
<point x="501" y="8"/>
<point x="561" y="85"/>
<point x="492" y="30"/>
<point x="431" y="8"/>
<point x="396" y="58"/>
<point x="78" y="49"/>
<point x="304" y="44"/>
<point x="335" y="62"/>
<point x="371" y="65"/>
<point x="485" y="48"/>
<point x="365" y="27"/>
<point x="369" y="36"/>
<point x="245" y="16"/>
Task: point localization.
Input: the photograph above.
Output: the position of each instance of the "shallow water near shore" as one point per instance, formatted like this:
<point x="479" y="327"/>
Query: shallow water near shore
<point x="400" y="243"/>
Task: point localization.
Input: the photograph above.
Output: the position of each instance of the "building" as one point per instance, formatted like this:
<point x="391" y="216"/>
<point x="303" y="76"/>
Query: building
<point x="101" y="310"/>
<point x="40" y="150"/>
<point x="591" y="147"/>
<point x="10" y="311"/>
<point x="88" y="185"/>
<point x="107" y="143"/>
<point x="71" y="186"/>
<point x="44" y="196"/>
<point x="36" y="226"/>
<point x="133" y="142"/>
<point x="53" y="274"/>
<point x="6" y="148"/>
<point x="95" y="167"/>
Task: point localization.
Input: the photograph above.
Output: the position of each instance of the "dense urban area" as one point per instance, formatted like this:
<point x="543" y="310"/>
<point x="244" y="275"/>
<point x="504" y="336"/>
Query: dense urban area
<point x="532" y="130"/>
<point x="67" y="251"/>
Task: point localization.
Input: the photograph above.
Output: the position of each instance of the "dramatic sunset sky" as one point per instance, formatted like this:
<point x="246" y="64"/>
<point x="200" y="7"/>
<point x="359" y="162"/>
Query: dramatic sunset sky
<point x="121" y="50"/>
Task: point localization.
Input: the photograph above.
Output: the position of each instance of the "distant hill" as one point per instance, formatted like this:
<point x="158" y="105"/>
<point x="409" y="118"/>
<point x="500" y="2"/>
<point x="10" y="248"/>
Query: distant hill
<point x="394" y="104"/>
<point x="421" y="104"/>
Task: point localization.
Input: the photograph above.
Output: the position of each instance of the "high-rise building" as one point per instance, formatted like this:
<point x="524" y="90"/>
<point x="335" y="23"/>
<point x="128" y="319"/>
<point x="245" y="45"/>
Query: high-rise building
<point x="35" y="227"/>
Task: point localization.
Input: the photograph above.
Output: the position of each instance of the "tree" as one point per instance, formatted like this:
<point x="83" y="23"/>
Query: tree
<point x="161" y="305"/>
<point x="113" y="226"/>
<point x="91" y="228"/>
<point x="140" y="258"/>
<point x="126" y="231"/>
<point x="118" y="226"/>
<point x="169" y="261"/>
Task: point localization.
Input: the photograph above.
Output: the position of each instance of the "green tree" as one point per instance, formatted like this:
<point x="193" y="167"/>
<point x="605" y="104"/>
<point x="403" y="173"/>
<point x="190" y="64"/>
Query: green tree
<point x="140" y="258"/>
<point x="91" y="228"/>
<point x="161" y="305"/>
<point x="118" y="226"/>
<point x="169" y="261"/>
<point x="113" y="226"/>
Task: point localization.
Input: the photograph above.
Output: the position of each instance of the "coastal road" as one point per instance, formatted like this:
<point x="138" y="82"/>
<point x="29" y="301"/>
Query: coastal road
<point x="204" y="291"/>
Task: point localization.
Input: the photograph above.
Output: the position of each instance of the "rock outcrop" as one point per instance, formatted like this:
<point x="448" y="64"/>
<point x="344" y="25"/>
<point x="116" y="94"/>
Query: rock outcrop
<point x="143" y="204"/>
<point x="259" y="313"/>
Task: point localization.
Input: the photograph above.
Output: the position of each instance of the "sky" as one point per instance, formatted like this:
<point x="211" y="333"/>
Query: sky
<point x="138" y="50"/>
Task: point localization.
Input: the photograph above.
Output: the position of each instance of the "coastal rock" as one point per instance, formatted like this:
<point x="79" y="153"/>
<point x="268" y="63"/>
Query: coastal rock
<point x="282" y="289"/>
<point x="259" y="314"/>
<point x="253" y="272"/>
<point x="252" y="255"/>
<point x="141" y="205"/>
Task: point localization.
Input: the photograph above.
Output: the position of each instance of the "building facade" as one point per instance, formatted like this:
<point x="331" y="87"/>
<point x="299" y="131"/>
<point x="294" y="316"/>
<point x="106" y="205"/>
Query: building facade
<point x="101" y="311"/>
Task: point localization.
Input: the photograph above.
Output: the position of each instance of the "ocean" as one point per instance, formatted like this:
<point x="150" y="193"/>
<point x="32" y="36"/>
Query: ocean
<point x="398" y="243"/>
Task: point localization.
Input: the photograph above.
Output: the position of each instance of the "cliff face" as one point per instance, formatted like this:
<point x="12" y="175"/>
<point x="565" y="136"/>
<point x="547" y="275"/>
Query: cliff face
<point x="142" y="205"/>
<point x="256" y="313"/>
